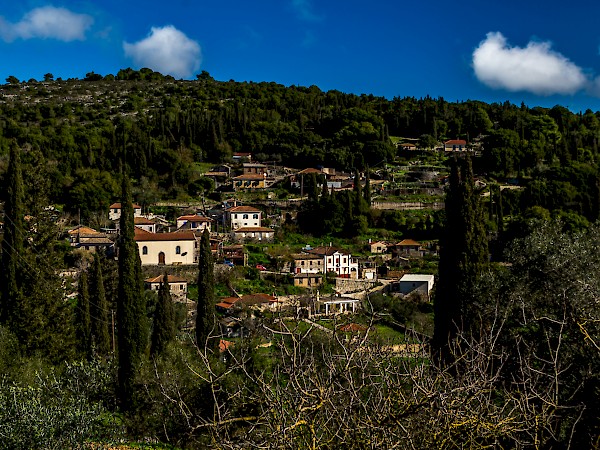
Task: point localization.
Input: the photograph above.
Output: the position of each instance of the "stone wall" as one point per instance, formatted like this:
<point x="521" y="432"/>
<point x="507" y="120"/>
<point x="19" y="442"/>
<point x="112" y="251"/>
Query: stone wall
<point x="345" y="285"/>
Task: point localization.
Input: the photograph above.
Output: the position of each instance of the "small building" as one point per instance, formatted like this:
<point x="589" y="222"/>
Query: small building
<point x="412" y="282"/>
<point x="229" y="305"/>
<point x="336" y="304"/>
<point x="145" y="224"/>
<point x="177" y="286"/>
<point x="408" y="247"/>
<point x="86" y="238"/>
<point x="241" y="156"/>
<point x="254" y="168"/>
<point x="253" y="234"/>
<point x="243" y="216"/>
<point x="307" y="263"/>
<point x="335" y="260"/>
<point x="179" y="248"/>
<point x="378" y="247"/>
<point x="307" y="280"/>
<point x="455" y="145"/>
<point x="194" y="222"/>
<point x="114" y="211"/>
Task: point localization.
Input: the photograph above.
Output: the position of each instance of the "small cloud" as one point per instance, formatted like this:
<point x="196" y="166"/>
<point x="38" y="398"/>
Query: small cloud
<point x="304" y="11"/>
<point x="47" y="22"/>
<point x="166" y="50"/>
<point x="535" y="68"/>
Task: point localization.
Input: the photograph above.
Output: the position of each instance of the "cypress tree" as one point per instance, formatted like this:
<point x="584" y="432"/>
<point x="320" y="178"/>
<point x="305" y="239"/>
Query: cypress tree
<point x="100" y="323"/>
<point x="164" y="320"/>
<point x="12" y="243"/>
<point x="463" y="256"/>
<point x="131" y="308"/>
<point x="205" y="317"/>
<point x="82" y="316"/>
<point x="368" y="188"/>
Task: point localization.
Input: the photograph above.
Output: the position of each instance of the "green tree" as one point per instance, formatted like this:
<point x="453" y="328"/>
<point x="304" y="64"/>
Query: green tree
<point x="12" y="79"/>
<point x="131" y="307"/>
<point x="368" y="188"/>
<point x="48" y="77"/>
<point x="100" y="325"/>
<point x="205" y="317"/>
<point x="12" y="243"/>
<point x="82" y="316"/>
<point x="164" y="320"/>
<point x="463" y="257"/>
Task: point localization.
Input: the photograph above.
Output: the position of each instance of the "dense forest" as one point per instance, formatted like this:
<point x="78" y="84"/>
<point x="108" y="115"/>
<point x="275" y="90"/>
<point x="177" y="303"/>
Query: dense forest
<point x="513" y="360"/>
<point x="76" y="132"/>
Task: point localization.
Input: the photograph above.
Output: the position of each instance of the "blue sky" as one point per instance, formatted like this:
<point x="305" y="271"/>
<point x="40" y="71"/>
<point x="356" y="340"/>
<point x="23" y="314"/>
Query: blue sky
<point x="541" y="53"/>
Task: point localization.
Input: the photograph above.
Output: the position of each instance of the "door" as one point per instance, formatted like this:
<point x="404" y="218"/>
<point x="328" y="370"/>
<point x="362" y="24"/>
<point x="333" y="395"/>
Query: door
<point x="161" y="258"/>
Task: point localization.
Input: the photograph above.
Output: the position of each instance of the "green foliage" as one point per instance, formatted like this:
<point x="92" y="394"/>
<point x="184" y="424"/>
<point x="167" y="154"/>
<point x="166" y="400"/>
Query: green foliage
<point x="205" y="315"/>
<point x="164" y="330"/>
<point x="132" y="325"/>
<point x="100" y="320"/>
<point x="82" y="317"/>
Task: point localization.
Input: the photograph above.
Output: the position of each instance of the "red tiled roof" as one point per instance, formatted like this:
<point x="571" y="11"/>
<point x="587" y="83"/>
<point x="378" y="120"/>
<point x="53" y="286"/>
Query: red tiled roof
<point x="254" y="230"/>
<point x="324" y="251"/>
<point x="170" y="279"/>
<point x="408" y="242"/>
<point x="224" y="345"/>
<point x="309" y="170"/>
<point x="142" y="235"/>
<point x="195" y="218"/>
<point x="238" y="209"/>
<point x="250" y="176"/>
<point x="456" y="142"/>
<point x="118" y="206"/>
<point x="142" y="221"/>
<point x="353" y="328"/>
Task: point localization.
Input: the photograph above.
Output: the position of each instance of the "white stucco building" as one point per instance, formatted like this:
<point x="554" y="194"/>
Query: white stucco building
<point x="335" y="260"/>
<point x="243" y="216"/>
<point x="179" y="248"/>
<point x="114" y="211"/>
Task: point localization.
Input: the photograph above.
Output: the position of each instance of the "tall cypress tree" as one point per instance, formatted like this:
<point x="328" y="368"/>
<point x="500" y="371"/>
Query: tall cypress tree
<point x="205" y="317"/>
<point x="164" y="319"/>
<point x="82" y="317"/>
<point x="463" y="256"/>
<point x="367" y="192"/>
<point x="12" y="243"/>
<point x="100" y="323"/>
<point x="131" y="306"/>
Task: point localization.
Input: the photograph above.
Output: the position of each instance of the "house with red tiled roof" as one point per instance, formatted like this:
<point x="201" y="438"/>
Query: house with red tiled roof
<point x="114" y="211"/>
<point x="243" y="216"/>
<point x="194" y="222"/>
<point x="177" y="285"/>
<point x="336" y="260"/>
<point x="407" y="247"/>
<point x="179" y="248"/>
<point x="252" y="234"/>
<point x="455" y="145"/>
<point x="88" y="239"/>
<point x="259" y="301"/>
<point x="145" y="224"/>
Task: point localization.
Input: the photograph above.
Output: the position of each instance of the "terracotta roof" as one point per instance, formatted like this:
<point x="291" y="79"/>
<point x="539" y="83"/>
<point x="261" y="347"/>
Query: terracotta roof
<point x="170" y="279"/>
<point x="253" y="229"/>
<point x="298" y="256"/>
<point x="215" y="174"/>
<point x="310" y="170"/>
<point x="224" y="345"/>
<point x="96" y="241"/>
<point x="80" y="229"/>
<point x="250" y="176"/>
<point x="249" y="299"/>
<point x="242" y="154"/>
<point x="307" y="275"/>
<point x="456" y="142"/>
<point x="408" y="242"/>
<point x="142" y="221"/>
<point x="195" y="218"/>
<point x="324" y="251"/>
<point x="142" y="235"/>
<point x="118" y="206"/>
<point x="238" y="209"/>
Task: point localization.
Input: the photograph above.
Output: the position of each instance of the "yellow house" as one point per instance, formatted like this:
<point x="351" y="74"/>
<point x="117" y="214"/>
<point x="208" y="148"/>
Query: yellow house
<point x="249" y="181"/>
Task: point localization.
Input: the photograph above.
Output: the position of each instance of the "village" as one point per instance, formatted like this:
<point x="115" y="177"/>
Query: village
<point x="319" y="282"/>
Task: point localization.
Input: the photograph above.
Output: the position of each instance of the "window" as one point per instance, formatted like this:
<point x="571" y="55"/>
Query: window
<point x="144" y="250"/>
<point x="255" y="216"/>
<point x="245" y="216"/>
<point x="178" y="250"/>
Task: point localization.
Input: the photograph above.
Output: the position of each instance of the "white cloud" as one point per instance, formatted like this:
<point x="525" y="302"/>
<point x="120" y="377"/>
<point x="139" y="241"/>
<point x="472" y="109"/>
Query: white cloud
<point x="166" y="50"/>
<point x="47" y="22"/>
<point x="535" y="68"/>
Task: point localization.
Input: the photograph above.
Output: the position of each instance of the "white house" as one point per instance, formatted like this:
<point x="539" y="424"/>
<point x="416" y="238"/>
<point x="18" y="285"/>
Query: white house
<point x="411" y="282"/>
<point x="193" y="222"/>
<point x="145" y="224"/>
<point x="177" y="286"/>
<point x="179" y="248"/>
<point x="455" y="145"/>
<point x="334" y="260"/>
<point x="114" y="211"/>
<point x="243" y="216"/>
<point x="253" y="234"/>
